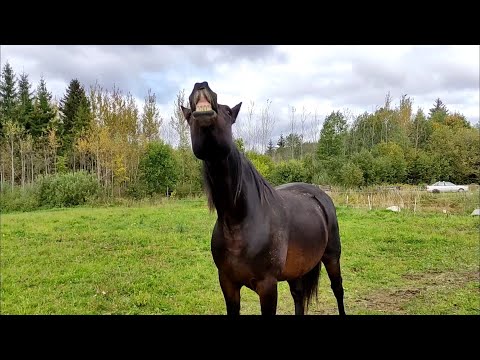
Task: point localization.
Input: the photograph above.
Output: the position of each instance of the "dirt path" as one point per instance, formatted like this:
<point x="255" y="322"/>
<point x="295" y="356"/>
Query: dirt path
<point x="392" y="302"/>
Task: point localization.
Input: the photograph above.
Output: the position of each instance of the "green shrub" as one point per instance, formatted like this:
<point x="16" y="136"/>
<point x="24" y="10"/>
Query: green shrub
<point x="263" y="163"/>
<point x="289" y="171"/>
<point x="63" y="190"/>
<point x="137" y="190"/>
<point x="19" y="199"/>
<point x="159" y="168"/>
<point x="351" y="175"/>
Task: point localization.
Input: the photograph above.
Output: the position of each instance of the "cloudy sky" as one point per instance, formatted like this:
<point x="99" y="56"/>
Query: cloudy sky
<point x="317" y="78"/>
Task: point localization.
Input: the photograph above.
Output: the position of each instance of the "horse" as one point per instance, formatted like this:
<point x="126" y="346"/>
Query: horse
<point x="263" y="234"/>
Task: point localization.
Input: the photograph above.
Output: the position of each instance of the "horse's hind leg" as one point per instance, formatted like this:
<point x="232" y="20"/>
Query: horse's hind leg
<point x="303" y="289"/>
<point x="332" y="265"/>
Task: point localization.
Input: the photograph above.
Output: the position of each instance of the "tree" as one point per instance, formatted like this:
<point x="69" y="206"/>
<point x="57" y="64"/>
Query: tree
<point x="467" y="148"/>
<point x="8" y="94"/>
<point x="158" y="168"/>
<point x="281" y="142"/>
<point x="178" y="122"/>
<point x="391" y="166"/>
<point x="288" y="171"/>
<point x="364" y="160"/>
<point x="151" y="120"/>
<point x="400" y="122"/>
<point x="81" y="120"/>
<point x="12" y="131"/>
<point x="25" y="102"/>
<point x="419" y="167"/>
<point x="75" y="109"/>
<point x="438" y="107"/>
<point x="270" y="149"/>
<point x="240" y="144"/>
<point x="351" y="175"/>
<point x="360" y="133"/>
<point x="267" y="121"/>
<point x="189" y="173"/>
<point x="315" y="127"/>
<point x="420" y="130"/>
<point x="263" y="163"/>
<point x="43" y="111"/>
<point x="294" y="142"/>
<point x="332" y="136"/>
<point x="303" y="122"/>
<point x="292" y="131"/>
<point x="26" y="146"/>
<point x="457" y="120"/>
<point x="439" y="112"/>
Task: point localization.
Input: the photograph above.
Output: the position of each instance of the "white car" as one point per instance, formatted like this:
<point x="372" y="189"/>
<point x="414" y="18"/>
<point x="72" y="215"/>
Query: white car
<point x="446" y="186"/>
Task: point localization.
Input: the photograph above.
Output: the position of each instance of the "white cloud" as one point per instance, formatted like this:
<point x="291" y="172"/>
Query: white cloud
<point x="319" y="78"/>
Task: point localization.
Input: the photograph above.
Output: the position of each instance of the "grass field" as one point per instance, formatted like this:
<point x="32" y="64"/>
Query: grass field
<point x="156" y="260"/>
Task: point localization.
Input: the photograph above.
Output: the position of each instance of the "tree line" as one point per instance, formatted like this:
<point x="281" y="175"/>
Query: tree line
<point x="137" y="152"/>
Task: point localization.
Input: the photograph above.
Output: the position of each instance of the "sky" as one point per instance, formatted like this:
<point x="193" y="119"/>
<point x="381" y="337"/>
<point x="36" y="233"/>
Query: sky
<point x="317" y="78"/>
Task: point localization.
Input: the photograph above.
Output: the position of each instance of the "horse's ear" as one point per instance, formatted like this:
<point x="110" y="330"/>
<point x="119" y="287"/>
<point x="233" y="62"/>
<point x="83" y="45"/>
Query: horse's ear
<point x="235" y="111"/>
<point x="186" y="112"/>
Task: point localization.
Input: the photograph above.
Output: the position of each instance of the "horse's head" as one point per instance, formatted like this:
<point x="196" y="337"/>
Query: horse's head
<point x="210" y="123"/>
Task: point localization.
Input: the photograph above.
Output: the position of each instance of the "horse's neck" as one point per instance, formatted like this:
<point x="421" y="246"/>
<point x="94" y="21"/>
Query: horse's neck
<point x="231" y="199"/>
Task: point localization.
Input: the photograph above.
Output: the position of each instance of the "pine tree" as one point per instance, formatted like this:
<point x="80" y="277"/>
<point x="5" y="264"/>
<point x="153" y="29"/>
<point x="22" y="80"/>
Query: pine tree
<point x="438" y="106"/>
<point x="281" y="141"/>
<point x="270" y="148"/>
<point x="75" y="110"/>
<point x="43" y="111"/>
<point x="439" y="112"/>
<point x="8" y="94"/>
<point x="25" y="102"/>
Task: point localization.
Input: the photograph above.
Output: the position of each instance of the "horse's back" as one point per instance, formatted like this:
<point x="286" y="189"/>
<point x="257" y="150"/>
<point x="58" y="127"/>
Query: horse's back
<point x="319" y="198"/>
<point x="308" y="189"/>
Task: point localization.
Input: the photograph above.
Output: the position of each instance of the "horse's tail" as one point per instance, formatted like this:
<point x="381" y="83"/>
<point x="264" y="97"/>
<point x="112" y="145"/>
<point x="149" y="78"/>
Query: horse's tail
<point x="310" y="285"/>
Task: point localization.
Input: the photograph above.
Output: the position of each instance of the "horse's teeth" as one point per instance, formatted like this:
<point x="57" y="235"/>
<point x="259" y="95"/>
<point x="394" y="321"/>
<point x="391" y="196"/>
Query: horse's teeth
<point x="204" y="108"/>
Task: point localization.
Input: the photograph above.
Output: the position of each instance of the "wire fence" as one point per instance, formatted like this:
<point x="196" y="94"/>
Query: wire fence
<point x="414" y="199"/>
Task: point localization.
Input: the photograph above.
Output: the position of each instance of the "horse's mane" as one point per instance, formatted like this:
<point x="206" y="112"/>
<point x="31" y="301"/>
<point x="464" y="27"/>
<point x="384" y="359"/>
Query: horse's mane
<point x="239" y="170"/>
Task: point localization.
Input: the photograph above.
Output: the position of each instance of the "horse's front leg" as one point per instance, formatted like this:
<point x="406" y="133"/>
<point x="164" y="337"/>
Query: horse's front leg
<point x="268" y="293"/>
<point x="231" y="293"/>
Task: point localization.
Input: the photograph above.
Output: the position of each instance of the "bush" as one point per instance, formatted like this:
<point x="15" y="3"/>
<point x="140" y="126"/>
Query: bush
<point x="63" y="190"/>
<point x="351" y="175"/>
<point x="289" y="171"/>
<point x="185" y="190"/>
<point x="19" y="199"/>
<point x="263" y="164"/>
<point x="159" y="168"/>
<point x="137" y="190"/>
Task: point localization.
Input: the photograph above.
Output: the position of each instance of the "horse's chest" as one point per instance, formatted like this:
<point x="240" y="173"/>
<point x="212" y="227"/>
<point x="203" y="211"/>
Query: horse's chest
<point x="245" y="261"/>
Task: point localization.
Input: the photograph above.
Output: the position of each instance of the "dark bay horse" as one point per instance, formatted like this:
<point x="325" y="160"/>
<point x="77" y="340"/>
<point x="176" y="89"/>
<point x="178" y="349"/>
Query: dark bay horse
<point x="263" y="234"/>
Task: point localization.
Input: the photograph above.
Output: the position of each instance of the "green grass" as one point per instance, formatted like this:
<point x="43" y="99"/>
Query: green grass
<point x="156" y="260"/>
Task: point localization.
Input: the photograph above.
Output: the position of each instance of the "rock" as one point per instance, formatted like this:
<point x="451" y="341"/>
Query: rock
<point x="476" y="212"/>
<point x="393" y="208"/>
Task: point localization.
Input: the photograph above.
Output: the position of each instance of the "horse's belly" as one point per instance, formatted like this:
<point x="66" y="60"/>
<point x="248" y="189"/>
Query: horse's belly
<point x="306" y="245"/>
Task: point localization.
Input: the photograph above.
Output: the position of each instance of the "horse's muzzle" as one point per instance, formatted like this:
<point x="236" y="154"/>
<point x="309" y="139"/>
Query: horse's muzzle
<point x="204" y="118"/>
